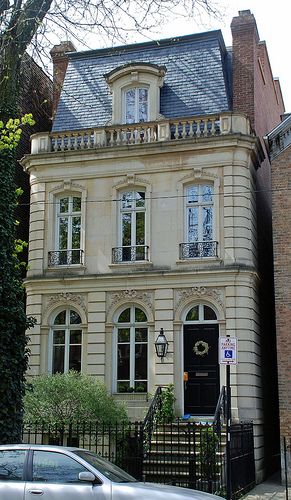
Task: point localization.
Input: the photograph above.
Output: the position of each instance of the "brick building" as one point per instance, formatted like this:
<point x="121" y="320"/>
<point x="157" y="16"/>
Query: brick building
<point x="151" y="210"/>
<point x="279" y="143"/>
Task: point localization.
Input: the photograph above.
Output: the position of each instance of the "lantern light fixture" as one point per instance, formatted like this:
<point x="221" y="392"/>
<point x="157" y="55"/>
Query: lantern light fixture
<point x="161" y="344"/>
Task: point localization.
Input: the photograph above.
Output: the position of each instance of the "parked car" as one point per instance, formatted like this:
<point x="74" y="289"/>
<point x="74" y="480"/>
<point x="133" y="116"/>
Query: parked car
<point x="59" y="473"/>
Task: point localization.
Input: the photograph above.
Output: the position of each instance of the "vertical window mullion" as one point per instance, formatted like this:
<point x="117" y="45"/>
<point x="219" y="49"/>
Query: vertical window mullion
<point x="132" y="355"/>
<point x="70" y="221"/>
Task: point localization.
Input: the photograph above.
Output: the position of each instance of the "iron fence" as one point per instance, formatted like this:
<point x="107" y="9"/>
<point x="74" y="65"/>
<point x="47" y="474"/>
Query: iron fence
<point x="181" y="453"/>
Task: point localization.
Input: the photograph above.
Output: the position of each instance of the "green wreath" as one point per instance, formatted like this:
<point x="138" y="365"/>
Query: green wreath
<point x="201" y="348"/>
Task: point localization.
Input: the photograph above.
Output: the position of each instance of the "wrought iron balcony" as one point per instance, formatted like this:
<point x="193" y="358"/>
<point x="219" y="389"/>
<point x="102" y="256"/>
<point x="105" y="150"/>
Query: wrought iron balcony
<point x="198" y="250"/>
<point x="65" y="257"/>
<point x="130" y="254"/>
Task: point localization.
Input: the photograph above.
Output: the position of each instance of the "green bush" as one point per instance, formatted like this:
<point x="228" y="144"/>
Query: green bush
<point x="167" y="399"/>
<point x="70" y="398"/>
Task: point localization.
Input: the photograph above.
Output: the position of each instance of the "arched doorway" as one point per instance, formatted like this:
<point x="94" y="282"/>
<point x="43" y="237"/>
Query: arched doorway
<point x="201" y="368"/>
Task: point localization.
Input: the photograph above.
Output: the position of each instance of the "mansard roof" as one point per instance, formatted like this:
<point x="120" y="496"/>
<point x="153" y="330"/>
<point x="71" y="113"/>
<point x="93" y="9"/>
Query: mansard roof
<point x="196" y="81"/>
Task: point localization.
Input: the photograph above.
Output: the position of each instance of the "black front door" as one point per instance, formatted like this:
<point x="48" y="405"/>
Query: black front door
<point x="201" y="369"/>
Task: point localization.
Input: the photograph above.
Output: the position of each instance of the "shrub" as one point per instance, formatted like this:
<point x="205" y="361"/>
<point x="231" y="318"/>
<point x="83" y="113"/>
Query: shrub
<point x="167" y="400"/>
<point x="70" y="398"/>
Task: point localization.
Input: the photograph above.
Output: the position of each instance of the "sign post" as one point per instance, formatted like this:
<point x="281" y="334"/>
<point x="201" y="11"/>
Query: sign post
<point x="228" y="356"/>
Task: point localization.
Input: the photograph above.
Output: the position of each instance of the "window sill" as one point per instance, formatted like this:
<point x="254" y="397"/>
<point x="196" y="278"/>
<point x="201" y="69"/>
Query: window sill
<point x="131" y="265"/>
<point x="199" y="260"/>
<point x="71" y="267"/>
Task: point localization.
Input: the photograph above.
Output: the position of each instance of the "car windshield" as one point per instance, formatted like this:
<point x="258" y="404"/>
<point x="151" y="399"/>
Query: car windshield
<point x="106" y="468"/>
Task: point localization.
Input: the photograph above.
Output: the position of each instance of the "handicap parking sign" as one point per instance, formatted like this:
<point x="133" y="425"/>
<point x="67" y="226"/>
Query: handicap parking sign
<point x="228" y="350"/>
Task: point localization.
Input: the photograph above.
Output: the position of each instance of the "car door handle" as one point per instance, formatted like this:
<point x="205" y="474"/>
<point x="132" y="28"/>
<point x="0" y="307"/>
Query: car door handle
<point x="35" y="492"/>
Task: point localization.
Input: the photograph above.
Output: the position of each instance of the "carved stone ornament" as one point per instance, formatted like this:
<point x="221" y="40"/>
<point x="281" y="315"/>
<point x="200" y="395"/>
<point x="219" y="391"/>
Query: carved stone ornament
<point x="130" y="295"/>
<point x="67" y="298"/>
<point x="183" y="295"/>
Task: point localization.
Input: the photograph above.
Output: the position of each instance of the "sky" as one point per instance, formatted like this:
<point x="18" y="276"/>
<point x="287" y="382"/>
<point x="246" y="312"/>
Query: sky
<point x="274" y="25"/>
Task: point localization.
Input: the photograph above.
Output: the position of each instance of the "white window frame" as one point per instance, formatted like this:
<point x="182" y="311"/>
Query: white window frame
<point x="67" y="327"/>
<point x="136" y="104"/>
<point x="199" y="204"/>
<point x="200" y="319"/>
<point x="133" y="211"/>
<point x="70" y="214"/>
<point x="132" y="325"/>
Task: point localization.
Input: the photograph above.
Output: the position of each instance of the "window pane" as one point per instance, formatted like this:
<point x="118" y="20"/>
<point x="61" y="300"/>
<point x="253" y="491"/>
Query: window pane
<point x="123" y="334"/>
<point x="207" y="192"/>
<point x="123" y="362"/>
<point x="74" y="318"/>
<point x="140" y="198"/>
<point x="207" y="223"/>
<point x="63" y="233"/>
<point x="122" y="386"/>
<point x="58" y="359"/>
<point x="192" y="194"/>
<point x="49" y="467"/>
<point x="75" y="358"/>
<point x="60" y="318"/>
<point x="141" y="334"/>
<point x="141" y="386"/>
<point x="141" y="361"/>
<point x="140" y="229"/>
<point x="127" y="200"/>
<point x="76" y="337"/>
<point x="11" y="465"/>
<point x="193" y="314"/>
<point x="130" y="106"/>
<point x="76" y="204"/>
<point x="126" y="229"/>
<point x="59" y="337"/>
<point x="64" y="205"/>
<point x="209" y="313"/>
<point x="140" y="316"/>
<point x="192" y="225"/>
<point x="124" y="317"/>
<point x="143" y="105"/>
<point x="76" y="232"/>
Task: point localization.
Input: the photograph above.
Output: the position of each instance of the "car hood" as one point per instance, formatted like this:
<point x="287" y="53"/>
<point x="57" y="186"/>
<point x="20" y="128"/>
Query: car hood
<point x="146" y="491"/>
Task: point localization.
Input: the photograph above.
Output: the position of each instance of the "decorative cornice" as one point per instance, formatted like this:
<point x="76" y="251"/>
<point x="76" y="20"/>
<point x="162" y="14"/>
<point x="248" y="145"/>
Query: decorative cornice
<point x="129" y="295"/>
<point x="67" y="298"/>
<point x="184" y="295"/>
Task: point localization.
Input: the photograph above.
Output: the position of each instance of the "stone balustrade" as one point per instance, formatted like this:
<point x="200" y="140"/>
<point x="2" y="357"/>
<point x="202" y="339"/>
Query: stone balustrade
<point x="197" y="127"/>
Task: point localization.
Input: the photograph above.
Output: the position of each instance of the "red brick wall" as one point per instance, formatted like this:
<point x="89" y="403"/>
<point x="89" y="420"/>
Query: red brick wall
<point x="60" y="64"/>
<point x="281" y="204"/>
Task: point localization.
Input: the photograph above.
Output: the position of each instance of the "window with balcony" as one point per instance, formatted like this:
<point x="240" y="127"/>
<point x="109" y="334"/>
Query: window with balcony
<point x="68" y="233"/>
<point x="66" y="342"/>
<point x="132" y="230"/>
<point x="199" y="207"/>
<point x="132" y="351"/>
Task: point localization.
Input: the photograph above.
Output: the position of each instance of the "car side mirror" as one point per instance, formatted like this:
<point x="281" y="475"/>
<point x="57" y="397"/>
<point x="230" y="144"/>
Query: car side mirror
<point x="87" y="477"/>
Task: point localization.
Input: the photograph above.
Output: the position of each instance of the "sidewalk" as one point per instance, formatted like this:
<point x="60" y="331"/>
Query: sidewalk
<point x="271" y="488"/>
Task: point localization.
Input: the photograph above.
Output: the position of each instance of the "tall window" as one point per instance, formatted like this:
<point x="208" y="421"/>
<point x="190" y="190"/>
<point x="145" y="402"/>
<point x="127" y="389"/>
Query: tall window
<point x="199" y="221"/>
<point x="69" y="230"/>
<point x="132" y="226"/>
<point x="132" y="351"/>
<point x="136" y="105"/>
<point x="66" y="342"/>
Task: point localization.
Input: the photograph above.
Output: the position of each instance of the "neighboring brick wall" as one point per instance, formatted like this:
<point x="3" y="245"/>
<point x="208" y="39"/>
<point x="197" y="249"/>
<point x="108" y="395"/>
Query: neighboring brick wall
<point x="281" y="202"/>
<point x="60" y="63"/>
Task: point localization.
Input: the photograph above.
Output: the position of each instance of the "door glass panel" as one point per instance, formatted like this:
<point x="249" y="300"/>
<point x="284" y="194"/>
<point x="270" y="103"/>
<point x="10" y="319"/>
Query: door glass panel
<point x="49" y="467"/>
<point x="130" y="106"/>
<point x="11" y="465"/>
<point x="76" y="232"/>
<point x="123" y="362"/>
<point x="126" y="229"/>
<point x="143" y="105"/>
<point x="63" y="233"/>
<point x="75" y="358"/>
<point x="140" y="239"/>
<point x="207" y="223"/>
<point x="192" y="225"/>
<point x="209" y="314"/>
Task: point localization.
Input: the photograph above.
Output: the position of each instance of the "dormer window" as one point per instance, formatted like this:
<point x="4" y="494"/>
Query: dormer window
<point x="135" y="91"/>
<point x="136" y="105"/>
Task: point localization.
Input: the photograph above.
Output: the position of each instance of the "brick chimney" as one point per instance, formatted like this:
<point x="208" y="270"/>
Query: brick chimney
<point x="59" y="55"/>
<point x="245" y="38"/>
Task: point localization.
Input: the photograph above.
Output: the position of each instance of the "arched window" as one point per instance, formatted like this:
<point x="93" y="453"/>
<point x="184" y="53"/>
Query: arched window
<point x="132" y="351"/>
<point x="66" y="344"/>
<point x="136" y="105"/>
<point x="199" y="241"/>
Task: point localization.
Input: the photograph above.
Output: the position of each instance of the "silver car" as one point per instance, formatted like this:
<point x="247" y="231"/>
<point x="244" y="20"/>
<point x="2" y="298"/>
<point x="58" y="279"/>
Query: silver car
<point x="58" y="473"/>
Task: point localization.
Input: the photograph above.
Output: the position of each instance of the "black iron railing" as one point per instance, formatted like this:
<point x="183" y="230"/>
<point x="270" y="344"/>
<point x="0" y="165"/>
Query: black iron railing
<point x="151" y="419"/>
<point x="65" y="257"/>
<point x="220" y="412"/>
<point x="198" y="250"/>
<point x="181" y="453"/>
<point x="130" y="254"/>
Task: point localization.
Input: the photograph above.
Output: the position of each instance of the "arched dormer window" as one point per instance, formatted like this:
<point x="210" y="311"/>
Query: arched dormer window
<point x="135" y="91"/>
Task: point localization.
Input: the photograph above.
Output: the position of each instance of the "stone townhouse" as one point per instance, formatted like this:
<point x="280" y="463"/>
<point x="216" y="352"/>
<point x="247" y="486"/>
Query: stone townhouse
<point x="144" y="219"/>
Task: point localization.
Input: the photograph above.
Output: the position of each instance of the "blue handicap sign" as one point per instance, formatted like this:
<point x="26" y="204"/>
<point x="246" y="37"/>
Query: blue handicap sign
<point x="228" y="354"/>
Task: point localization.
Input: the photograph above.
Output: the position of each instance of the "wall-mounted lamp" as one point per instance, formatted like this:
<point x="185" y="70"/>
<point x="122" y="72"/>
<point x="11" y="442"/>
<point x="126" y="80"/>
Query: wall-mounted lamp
<point x="161" y="344"/>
